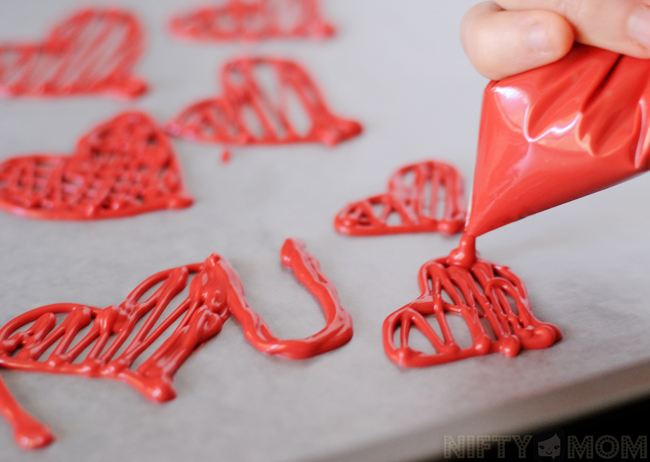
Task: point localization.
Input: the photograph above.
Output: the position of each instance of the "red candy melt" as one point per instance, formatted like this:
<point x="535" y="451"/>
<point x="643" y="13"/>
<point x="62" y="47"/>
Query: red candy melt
<point x="94" y="51"/>
<point x="69" y="330"/>
<point x="483" y="291"/>
<point x="414" y="194"/>
<point x="123" y="167"/>
<point x="251" y="113"/>
<point x="253" y="20"/>
<point x="337" y="331"/>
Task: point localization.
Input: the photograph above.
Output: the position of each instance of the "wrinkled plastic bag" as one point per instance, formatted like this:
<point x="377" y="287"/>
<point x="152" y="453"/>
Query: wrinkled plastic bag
<point x="558" y="133"/>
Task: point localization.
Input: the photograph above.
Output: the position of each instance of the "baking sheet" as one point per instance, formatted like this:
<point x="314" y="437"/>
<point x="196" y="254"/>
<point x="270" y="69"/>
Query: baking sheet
<point x="399" y="68"/>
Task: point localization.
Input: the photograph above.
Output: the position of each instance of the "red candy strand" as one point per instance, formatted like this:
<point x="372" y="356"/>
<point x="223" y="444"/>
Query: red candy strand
<point x="413" y="196"/>
<point x="249" y="113"/>
<point x="253" y="20"/>
<point x="337" y="331"/>
<point x="123" y="167"/>
<point x="94" y="51"/>
<point x="215" y="292"/>
<point x="482" y="291"/>
<point x="29" y="433"/>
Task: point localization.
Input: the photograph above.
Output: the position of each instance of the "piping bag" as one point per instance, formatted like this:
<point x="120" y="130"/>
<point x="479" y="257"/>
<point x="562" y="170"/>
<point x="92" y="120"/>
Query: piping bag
<point x="555" y="134"/>
<point x="547" y="136"/>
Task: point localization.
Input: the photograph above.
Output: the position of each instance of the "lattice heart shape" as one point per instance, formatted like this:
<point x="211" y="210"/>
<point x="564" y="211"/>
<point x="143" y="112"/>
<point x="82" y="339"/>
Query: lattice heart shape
<point x="422" y="197"/>
<point x="264" y="101"/>
<point x="491" y="301"/>
<point x="94" y="51"/>
<point x="253" y="20"/>
<point x="123" y="167"/>
<point x="152" y="324"/>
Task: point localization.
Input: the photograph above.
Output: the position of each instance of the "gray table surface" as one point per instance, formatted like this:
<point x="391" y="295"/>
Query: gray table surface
<point x="399" y="68"/>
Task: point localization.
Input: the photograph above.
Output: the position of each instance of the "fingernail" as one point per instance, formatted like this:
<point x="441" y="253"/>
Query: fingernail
<point x="537" y="38"/>
<point x="638" y="26"/>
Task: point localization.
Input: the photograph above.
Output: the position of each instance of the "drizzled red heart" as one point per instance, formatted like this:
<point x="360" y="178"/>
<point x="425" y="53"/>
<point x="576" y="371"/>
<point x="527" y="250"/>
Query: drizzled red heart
<point x="94" y="51"/>
<point x="260" y="19"/>
<point x="483" y="292"/>
<point x="264" y="101"/>
<point x="411" y="205"/>
<point x="123" y="167"/>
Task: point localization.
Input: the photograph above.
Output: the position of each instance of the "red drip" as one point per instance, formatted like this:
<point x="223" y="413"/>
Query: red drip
<point x="251" y="113"/>
<point x="413" y="196"/>
<point x="256" y="20"/>
<point x="215" y="291"/>
<point x="29" y="433"/>
<point x="94" y="51"/>
<point x="123" y="167"/>
<point x="483" y="291"/>
<point x="226" y="156"/>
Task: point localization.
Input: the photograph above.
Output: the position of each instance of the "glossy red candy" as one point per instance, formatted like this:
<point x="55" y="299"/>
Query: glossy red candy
<point x="25" y="339"/>
<point x="264" y="101"/>
<point x="94" y="51"/>
<point x="69" y="338"/>
<point x="485" y="291"/>
<point x="123" y="167"/>
<point x="253" y="20"/>
<point x="337" y="331"/>
<point x="411" y="204"/>
<point x="557" y="133"/>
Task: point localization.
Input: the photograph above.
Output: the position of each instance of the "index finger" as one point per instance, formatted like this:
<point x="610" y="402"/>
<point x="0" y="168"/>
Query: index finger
<point x="622" y="26"/>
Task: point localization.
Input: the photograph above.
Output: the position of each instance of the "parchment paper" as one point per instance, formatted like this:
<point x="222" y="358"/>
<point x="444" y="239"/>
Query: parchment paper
<point x="399" y="68"/>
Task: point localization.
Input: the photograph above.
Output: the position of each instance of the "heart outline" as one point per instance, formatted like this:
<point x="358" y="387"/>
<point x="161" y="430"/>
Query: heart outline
<point x="123" y="167"/>
<point x="93" y="51"/>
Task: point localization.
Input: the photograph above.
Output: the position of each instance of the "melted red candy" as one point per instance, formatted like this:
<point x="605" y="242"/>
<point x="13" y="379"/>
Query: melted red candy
<point x="123" y="167"/>
<point x="465" y="255"/>
<point x="484" y="291"/>
<point x="94" y="51"/>
<point x="560" y="132"/>
<point x="337" y="331"/>
<point x="253" y="20"/>
<point x="215" y="292"/>
<point x="252" y="111"/>
<point x="413" y="196"/>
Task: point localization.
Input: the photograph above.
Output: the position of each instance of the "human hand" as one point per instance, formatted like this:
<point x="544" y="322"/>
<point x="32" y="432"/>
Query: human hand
<point x="506" y="37"/>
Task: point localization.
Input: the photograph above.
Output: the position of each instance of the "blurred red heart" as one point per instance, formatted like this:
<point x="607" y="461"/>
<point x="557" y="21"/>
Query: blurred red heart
<point x="94" y="51"/>
<point x="255" y="20"/>
<point x="123" y="167"/>
<point x="264" y="101"/>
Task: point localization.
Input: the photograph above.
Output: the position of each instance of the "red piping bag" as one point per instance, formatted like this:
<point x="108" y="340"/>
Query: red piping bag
<point x="558" y="133"/>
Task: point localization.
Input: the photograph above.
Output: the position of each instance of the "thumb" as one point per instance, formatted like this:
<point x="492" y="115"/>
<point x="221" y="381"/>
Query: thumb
<point x="500" y="43"/>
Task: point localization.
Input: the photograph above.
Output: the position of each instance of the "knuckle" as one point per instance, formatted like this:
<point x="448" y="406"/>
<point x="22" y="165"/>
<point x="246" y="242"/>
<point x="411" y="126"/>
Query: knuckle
<point x="570" y="9"/>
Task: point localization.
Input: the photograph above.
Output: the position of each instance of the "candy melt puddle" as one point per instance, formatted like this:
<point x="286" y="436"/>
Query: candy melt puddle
<point x="123" y="167"/>
<point x="94" y="51"/>
<point x="264" y="101"/>
<point x="253" y="20"/>
<point x="110" y="342"/>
